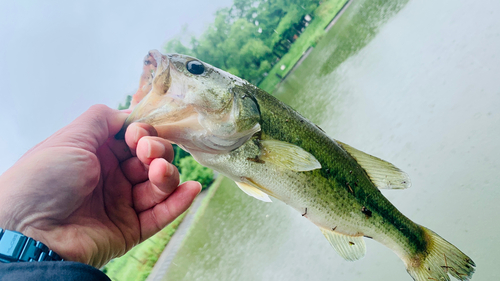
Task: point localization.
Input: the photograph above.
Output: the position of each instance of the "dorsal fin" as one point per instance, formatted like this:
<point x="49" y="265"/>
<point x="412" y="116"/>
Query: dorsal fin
<point x="351" y="248"/>
<point x="382" y="173"/>
<point x="288" y="156"/>
<point x="253" y="191"/>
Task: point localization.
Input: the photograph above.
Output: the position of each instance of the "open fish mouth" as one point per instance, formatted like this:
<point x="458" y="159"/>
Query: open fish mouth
<point x="161" y="106"/>
<point x="193" y="104"/>
<point x="146" y="80"/>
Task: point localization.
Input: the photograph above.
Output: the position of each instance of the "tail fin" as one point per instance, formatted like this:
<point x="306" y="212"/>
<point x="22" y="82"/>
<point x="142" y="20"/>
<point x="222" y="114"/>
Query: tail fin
<point x="441" y="259"/>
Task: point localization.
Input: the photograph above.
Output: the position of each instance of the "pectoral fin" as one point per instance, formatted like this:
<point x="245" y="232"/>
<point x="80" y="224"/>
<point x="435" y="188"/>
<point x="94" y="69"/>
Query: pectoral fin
<point x="382" y="173"/>
<point x="288" y="156"/>
<point x="253" y="191"/>
<point x="351" y="248"/>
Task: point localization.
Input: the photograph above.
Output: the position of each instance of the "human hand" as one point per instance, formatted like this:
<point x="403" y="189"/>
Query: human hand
<point x="90" y="197"/>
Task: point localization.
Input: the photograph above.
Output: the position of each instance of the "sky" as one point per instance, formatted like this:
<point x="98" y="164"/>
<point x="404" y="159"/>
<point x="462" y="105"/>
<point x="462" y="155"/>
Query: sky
<point x="57" y="58"/>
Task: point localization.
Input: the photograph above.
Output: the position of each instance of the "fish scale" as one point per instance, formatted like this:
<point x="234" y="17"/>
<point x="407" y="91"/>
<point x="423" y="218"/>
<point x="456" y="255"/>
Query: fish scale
<point x="326" y="151"/>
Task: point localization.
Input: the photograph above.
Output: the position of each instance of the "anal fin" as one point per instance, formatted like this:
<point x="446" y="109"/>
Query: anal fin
<point x="351" y="248"/>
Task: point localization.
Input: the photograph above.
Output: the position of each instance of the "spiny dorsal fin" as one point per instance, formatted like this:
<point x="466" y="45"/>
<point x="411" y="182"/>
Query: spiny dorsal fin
<point x="288" y="156"/>
<point x="382" y="173"/>
<point x="253" y="191"/>
<point x="351" y="248"/>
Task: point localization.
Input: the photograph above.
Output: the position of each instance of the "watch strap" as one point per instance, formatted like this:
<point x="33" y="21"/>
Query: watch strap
<point x="15" y="247"/>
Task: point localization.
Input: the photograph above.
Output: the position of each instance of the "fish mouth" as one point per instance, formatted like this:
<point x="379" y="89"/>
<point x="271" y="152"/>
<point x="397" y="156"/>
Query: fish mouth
<point x="159" y="106"/>
<point x="146" y="80"/>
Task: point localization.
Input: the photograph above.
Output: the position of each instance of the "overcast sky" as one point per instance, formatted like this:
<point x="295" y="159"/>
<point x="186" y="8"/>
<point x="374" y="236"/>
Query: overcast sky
<point x="57" y="58"/>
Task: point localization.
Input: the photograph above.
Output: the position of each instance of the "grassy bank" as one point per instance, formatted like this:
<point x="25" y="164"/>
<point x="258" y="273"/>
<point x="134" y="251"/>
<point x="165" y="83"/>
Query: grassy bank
<point x="138" y="262"/>
<point x="323" y="15"/>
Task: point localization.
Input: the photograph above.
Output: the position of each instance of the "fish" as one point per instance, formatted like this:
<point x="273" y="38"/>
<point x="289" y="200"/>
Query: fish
<point x="148" y="68"/>
<point x="271" y="151"/>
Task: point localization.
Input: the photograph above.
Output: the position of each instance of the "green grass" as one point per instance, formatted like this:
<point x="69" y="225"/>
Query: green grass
<point x="139" y="261"/>
<point x="323" y="15"/>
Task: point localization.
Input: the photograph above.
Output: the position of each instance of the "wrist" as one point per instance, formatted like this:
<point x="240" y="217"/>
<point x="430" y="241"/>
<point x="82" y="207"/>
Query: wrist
<point x="16" y="247"/>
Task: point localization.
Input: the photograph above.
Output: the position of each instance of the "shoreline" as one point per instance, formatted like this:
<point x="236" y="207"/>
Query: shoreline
<point x="311" y="48"/>
<point x="167" y="256"/>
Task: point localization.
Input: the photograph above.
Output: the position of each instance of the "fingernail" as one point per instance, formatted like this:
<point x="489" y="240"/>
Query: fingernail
<point x="139" y="133"/>
<point x="155" y="149"/>
<point x="169" y="171"/>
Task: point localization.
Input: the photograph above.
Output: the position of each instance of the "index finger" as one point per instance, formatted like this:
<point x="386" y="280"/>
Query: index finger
<point x="135" y="132"/>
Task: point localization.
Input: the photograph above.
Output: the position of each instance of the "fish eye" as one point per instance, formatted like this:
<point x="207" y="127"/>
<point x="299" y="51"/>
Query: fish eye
<point x="195" y="67"/>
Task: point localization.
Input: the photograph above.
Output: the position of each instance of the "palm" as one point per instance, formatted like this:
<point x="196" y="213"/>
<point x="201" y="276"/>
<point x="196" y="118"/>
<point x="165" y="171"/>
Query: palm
<point x="105" y="218"/>
<point x="89" y="197"/>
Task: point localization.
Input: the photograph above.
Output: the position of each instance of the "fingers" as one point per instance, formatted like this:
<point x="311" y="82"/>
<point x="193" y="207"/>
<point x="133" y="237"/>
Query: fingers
<point x="120" y="149"/>
<point x="134" y="170"/>
<point x="156" y="218"/>
<point x="147" y="149"/>
<point x="135" y="132"/>
<point x="163" y="179"/>
<point x="150" y="148"/>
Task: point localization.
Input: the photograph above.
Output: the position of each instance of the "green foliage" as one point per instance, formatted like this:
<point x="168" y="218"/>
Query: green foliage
<point x="175" y="45"/>
<point x="322" y="15"/>
<point x="179" y="153"/>
<point x="247" y="38"/>
<point x="139" y="261"/>
<point x="127" y="103"/>
<point x="192" y="171"/>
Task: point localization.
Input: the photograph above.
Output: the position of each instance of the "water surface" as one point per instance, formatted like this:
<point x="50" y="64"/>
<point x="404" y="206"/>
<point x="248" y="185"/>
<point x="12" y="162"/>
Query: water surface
<point x="416" y="83"/>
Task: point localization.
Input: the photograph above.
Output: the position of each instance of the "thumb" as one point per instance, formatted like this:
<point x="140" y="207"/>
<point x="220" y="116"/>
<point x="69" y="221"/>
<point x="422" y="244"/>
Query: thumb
<point x="91" y="129"/>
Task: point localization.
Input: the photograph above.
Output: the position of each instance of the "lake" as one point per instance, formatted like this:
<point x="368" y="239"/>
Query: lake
<point x="416" y="83"/>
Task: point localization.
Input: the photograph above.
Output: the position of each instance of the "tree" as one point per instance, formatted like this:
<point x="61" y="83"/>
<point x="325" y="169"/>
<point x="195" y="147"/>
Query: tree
<point x="191" y="170"/>
<point x="179" y="153"/>
<point x="249" y="37"/>
<point x="175" y="44"/>
<point x="128" y="99"/>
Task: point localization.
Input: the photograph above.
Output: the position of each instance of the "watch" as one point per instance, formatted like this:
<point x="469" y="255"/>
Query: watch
<point x="15" y="247"/>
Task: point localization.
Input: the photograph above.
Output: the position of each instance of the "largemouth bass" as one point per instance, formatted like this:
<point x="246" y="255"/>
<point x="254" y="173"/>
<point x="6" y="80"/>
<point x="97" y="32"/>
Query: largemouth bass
<point x="269" y="149"/>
